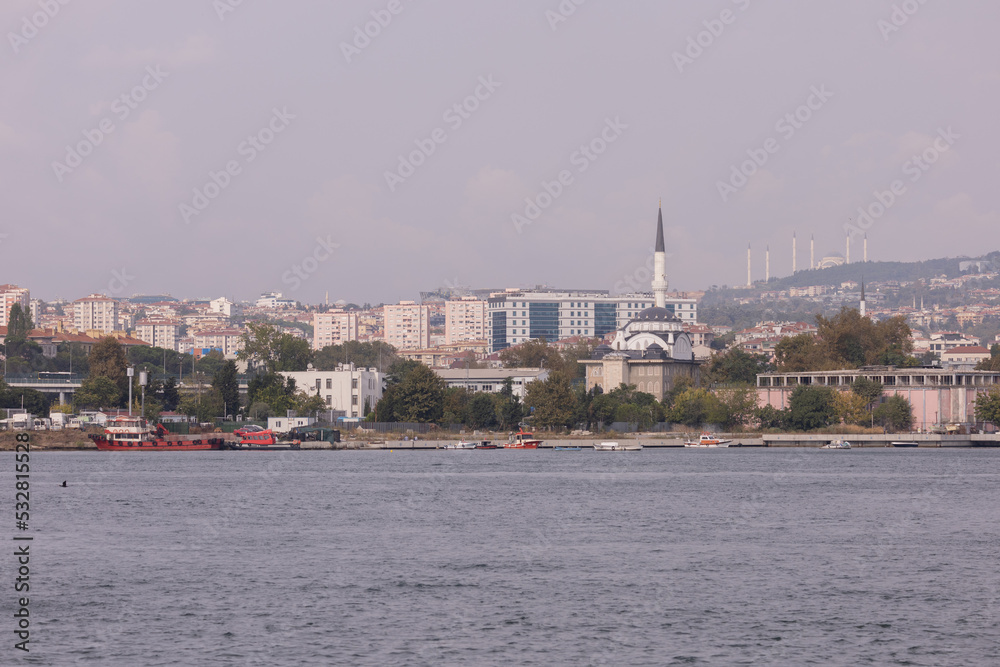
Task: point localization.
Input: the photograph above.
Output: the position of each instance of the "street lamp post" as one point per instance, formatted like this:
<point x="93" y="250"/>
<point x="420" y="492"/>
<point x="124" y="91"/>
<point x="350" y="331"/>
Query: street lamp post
<point x="131" y="373"/>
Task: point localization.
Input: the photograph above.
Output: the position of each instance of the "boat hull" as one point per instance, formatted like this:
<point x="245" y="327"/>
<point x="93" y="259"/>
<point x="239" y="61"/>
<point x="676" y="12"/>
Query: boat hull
<point x="521" y="445"/>
<point x="158" y="445"/>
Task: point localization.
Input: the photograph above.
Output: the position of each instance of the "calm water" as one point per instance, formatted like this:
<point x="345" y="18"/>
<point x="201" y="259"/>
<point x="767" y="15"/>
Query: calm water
<point x="684" y="557"/>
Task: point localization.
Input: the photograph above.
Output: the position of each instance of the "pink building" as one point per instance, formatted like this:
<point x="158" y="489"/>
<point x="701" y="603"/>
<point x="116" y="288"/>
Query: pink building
<point x="407" y="326"/>
<point x="938" y="395"/>
<point x="9" y="295"/>
<point x="464" y="320"/>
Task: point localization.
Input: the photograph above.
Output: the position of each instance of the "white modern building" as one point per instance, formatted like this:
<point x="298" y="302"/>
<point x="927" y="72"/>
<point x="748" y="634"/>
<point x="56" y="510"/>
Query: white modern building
<point x="95" y="313"/>
<point x="464" y="320"/>
<point x="274" y="300"/>
<point x="334" y="328"/>
<point x="348" y="389"/>
<point x="224" y="306"/>
<point x="516" y="316"/>
<point x="407" y="326"/>
<point x="491" y="379"/>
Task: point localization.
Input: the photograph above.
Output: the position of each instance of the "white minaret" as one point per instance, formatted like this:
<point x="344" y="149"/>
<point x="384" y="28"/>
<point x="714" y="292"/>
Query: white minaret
<point x="862" y="308"/>
<point x="865" y="253"/>
<point x="812" y="251"/>
<point x="749" y="284"/>
<point x="847" y="256"/>
<point x="659" y="265"/>
<point x="767" y="264"/>
<point x="793" y="252"/>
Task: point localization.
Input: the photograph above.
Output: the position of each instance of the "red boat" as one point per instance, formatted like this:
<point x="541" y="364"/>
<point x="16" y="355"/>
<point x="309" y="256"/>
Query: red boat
<point x="522" y="440"/>
<point x="133" y="433"/>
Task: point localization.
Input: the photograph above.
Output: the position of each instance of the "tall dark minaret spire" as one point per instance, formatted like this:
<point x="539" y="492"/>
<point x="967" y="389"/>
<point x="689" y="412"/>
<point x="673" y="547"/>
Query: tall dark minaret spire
<point x="660" y="264"/>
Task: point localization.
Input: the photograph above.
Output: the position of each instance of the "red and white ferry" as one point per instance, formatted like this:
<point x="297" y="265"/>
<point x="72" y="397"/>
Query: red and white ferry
<point x="522" y="440"/>
<point x="134" y="433"/>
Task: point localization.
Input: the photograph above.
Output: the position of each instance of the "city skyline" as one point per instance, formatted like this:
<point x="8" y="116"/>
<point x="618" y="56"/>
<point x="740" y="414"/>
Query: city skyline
<point x="362" y="164"/>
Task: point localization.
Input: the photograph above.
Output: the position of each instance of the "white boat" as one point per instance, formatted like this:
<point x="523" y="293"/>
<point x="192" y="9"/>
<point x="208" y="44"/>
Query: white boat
<point x="707" y="440"/>
<point x="837" y="444"/>
<point x="617" y="446"/>
<point x="461" y="444"/>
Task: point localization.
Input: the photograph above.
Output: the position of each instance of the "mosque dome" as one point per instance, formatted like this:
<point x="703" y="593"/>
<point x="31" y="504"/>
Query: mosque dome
<point x="600" y="351"/>
<point x="655" y="314"/>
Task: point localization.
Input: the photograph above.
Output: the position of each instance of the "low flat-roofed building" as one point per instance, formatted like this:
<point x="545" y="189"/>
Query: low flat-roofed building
<point x="938" y="395"/>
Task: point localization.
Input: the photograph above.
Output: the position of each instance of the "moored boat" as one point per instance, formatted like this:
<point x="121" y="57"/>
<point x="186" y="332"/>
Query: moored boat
<point x="707" y="440"/>
<point x="486" y="444"/>
<point x="522" y="440"/>
<point x="837" y="444"/>
<point x="617" y="446"/>
<point x="461" y="444"/>
<point x="134" y="433"/>
<point x="262" y="441"/>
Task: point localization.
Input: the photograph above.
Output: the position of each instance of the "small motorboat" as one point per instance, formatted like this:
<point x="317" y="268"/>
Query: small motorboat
<point x="900" y="443"/>
<point x="486" y="444"/>
<point x="522" y="440"/>
<point x="837" y="444"/>
<point x="617" y="446"/>
<point x="707" y="440"/>
<point x="461" y="444"/>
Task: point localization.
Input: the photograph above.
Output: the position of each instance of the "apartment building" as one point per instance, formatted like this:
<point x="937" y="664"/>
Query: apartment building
<point x="159" y="333"/>
<point x="9" y="295"/>
<point x="334" y="328"/>
<point x="225" y="340"/>
<point x="464" y="320"/>
<point x="95" y="313"/>
<point x="407" y="325"/>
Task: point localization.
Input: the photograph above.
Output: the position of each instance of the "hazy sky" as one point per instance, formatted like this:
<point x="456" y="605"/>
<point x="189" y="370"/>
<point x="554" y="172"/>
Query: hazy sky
<point x="115" y="112"/>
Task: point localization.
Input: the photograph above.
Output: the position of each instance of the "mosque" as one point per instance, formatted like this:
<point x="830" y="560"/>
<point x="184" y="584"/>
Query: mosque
<point x="652" y="349"/>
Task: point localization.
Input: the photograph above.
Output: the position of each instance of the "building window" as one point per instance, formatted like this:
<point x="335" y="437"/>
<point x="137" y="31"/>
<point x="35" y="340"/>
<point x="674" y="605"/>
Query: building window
<point x="354" y="399"/>
<point x="354" y="383"/>
<point x="329" y="383"/>
<point x="329" y="399"/>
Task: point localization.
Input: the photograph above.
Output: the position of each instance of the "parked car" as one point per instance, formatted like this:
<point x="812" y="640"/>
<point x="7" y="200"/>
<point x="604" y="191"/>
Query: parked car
<point x="249" y="428"/>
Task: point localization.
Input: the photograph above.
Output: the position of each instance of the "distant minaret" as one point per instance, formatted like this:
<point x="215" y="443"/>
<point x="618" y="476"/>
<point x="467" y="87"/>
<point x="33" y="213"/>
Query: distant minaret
<point x="914" y="302"/>
<point x="847" y="257"/>
<point x="328" y="297"/>
<point x="862" y="309"/>
<point x="812" y="251"/>
<point x="660" y="264"/>
<point x="767" y="264"/>
<point x="921" y="302"/>
<point x="866" y="248"/>
<point x="749" y="284"/>
<point x="793" y="252"/>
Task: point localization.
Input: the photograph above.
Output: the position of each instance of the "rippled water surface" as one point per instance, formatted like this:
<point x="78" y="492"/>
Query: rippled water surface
<point x="686" y="557"/>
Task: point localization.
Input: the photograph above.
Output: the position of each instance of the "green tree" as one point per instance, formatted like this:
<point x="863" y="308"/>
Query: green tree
<point x="869" y="390"/>
<point x="694" y="406"/>
<point x="308" y="404"/>
<point x="209" y="364"/>
<point x="204" y="406"/>
<point x="811" y="407"/>
<point x="19" y="325"/>
<point x="169" y="397"/>
<point x="736" y="366"/>
<point x="737" y="406"/>
<point x="770" y="417"/>
<point x="508" y="406"/>
<point x="225" y="381"/>
<point x="851" y="408"/>
<point x="551" y="401"/>
<point x="419" y="397"/>
<point x="482" y="412"/>
<point x="107" y="359"/>
<point x="375" y="354"/>
<point x="988" y="406"/>
<point x="152" y="410"/>
<point x="97" y="392"/>
<point x="804" y="352"/>
<point x="454" y="409"/>
<point x="895" y="414"/>
<point x="294" y="354"/>
<point x="274" y="390"/>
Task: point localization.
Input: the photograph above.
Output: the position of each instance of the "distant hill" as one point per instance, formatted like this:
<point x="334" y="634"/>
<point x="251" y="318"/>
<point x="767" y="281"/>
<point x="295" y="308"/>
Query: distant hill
<point x="878" y="271"/>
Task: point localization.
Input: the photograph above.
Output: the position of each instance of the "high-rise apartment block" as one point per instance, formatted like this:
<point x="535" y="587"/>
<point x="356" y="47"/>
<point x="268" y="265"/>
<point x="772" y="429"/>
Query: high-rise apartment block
<point x="9" y="295"/>
<point x="95" y="313"/>
<point x="334" y="328"/>
<point x="407" y="326"/>
<point x="464" y="320"/>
